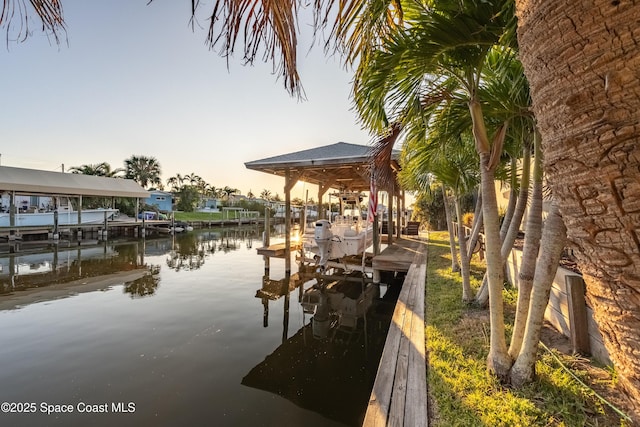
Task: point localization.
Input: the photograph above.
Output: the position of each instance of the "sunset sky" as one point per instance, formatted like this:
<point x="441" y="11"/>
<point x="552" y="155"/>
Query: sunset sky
<point x="132" y="78"/>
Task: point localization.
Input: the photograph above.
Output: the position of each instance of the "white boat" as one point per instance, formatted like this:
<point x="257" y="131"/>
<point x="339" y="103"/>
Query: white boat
<point x="65" y="217"/>
<point x="168" y="229"/>
<point x="348" y="234"/>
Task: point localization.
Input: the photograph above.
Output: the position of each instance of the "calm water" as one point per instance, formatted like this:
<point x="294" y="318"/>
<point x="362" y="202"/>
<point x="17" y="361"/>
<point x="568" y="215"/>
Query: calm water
<point x="185" y="331"/>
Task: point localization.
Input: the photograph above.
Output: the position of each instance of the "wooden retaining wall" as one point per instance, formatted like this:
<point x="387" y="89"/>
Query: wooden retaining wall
<point x="567" y="310"/>
<point x="399" y="395"/>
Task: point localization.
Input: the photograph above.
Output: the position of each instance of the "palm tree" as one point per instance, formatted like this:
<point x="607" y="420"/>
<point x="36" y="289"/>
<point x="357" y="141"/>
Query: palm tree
<point x="192" y="178"/>
<point x="442" y="53"/>
<point x="175" y="182"/>
<point x="145" y="170"/>
<point x="592" y="162"/>
<point x="228" y="191"/>
<point x="98" y="169"/>
<point x="265" y="194"/>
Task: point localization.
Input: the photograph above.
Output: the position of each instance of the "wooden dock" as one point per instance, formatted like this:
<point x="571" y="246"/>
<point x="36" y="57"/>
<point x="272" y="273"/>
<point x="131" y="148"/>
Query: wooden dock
<point x="399" y="395"/>
<point x="397" y="257"/>
<point x="276" y="250"/>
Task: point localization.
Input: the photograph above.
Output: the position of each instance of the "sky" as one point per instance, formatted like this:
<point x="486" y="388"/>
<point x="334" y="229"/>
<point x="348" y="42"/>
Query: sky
<point x="132" y="78"/>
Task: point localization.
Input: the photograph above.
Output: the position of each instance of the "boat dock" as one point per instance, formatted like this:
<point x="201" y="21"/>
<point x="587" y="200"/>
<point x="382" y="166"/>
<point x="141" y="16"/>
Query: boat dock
<point x="277" y="250"/>
<point x="399" y="395"/>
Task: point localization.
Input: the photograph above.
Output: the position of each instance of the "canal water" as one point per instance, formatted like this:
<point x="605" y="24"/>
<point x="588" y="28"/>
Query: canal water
<point x="183" y="330"/>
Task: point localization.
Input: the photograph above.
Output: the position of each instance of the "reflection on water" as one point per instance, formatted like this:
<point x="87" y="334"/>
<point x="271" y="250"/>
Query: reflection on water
<point x="45" y="265"/>
<point x="145" y="285"/>
<point x="189" y="251"/>
<point x="196" y="332"/>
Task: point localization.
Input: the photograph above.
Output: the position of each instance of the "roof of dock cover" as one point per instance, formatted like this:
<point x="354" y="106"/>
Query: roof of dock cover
<point x="33" y="181"/>
<point x="343" y="165"/>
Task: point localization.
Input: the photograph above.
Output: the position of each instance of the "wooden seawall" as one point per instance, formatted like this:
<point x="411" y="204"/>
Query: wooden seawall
<point x="399" y="395"/>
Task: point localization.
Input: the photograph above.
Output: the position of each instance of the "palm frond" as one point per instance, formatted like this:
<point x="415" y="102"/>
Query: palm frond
<point x="48" y="11"/>
<point x="267" y="26"/>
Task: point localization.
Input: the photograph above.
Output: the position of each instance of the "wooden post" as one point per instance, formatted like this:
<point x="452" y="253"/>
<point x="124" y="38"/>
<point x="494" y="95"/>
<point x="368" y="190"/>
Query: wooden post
<point x="287" y="221"/>
<point x="578" y="315"/>
<point x="80" y="209"/>
<point x="105" y="231"/>
<point x="266" y="240"/>
<point x="12" y="215"/>
<point x="400" y="204"/>
<point x="390" y="228"/>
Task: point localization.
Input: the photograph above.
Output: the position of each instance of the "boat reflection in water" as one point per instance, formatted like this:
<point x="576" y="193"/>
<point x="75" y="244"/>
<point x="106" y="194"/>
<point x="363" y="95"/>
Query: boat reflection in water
<point x="172" y="324"/>
<point x="329" y="365"/>
<point x="46" y="266"/>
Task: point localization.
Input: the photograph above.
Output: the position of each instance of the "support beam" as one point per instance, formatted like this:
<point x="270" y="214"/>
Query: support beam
<point x="287" y="221"/>
<point x="12" y="215"/>
<point x="400" y="215"/>
<point x="578" y="315"/>
<point x="390" y="228"/>
<point x="322" y="190"/>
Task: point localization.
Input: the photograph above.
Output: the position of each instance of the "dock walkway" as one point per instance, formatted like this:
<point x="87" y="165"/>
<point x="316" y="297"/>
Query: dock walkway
<point x="399" y="395"/>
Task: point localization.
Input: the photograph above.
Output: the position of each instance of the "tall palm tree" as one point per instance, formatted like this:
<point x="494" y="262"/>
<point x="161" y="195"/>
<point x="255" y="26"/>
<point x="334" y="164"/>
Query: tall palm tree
<point x="442" y="53"/>
<point x="586" y="99"/>
<point x="145" y="170"/>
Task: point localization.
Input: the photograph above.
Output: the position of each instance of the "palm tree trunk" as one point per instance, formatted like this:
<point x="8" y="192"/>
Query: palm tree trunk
<point x="533" y="233"/>
<point x="553" y="242"/>
<point x="509" y="236"/>
<point x="586" y="99"/>
<point x="467" y="293"/>
<point x="455" y="267"/>
<point x="477" y="226"/>
<point x="521" y="205"/>
<point x="498" y="360"/>
<point x="513" y="199"/>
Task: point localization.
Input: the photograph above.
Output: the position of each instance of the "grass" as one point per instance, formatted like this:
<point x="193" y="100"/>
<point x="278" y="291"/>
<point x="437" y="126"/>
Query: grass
<point x="462" y="392"/>
<point x="198" y="216"/>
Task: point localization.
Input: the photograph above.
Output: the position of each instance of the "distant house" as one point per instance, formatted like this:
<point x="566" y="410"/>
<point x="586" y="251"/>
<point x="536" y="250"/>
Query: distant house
<point x="161" y="199"/>
<point x="209" y="204"/>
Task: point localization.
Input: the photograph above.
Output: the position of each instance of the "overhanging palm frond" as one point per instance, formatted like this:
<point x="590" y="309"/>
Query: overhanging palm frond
<point x="49" y="12"/>
<point x="358" y="25"/>
<point x="267" y="26"/>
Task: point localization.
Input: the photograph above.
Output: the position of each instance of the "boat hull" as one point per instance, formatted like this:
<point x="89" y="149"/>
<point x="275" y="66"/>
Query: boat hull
<point x="90" y="216"/>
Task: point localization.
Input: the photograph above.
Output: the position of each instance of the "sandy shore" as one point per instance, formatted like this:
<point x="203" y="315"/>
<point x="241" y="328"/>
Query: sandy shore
<point x="19" y="299"/>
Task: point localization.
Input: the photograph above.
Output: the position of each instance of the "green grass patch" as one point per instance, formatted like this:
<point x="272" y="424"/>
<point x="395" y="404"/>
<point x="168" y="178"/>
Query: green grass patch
<point x="462" y="391"/>
<point x="198" y="216"/>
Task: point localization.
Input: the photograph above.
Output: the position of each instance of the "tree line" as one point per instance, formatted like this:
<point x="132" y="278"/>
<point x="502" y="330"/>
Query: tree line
<point x="189" y="189"/>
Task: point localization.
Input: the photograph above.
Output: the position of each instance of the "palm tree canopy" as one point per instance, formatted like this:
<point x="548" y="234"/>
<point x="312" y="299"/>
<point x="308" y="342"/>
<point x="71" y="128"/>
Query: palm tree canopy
<point x="145" y="170"/>
<point x="98" y="169"/>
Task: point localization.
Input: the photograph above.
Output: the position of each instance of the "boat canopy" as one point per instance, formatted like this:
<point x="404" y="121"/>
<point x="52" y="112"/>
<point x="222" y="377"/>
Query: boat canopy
<point x="34" y="181"/>
<point x="340" y="165"/>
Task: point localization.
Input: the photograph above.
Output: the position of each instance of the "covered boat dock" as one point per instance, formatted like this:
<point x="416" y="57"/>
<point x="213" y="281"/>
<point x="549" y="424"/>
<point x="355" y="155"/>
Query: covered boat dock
<point x="40" y="183"/>
<point x="340" y="166"/>
<point x="399" y="395"/>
